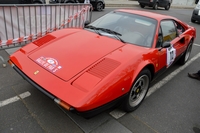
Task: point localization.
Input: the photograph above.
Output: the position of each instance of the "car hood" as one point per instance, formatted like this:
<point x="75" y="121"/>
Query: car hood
<point x="70" y="53"/>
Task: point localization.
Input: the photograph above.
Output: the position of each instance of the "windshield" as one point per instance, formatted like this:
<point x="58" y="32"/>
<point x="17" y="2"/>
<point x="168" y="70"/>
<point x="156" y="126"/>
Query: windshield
<point x="130" y="28"/>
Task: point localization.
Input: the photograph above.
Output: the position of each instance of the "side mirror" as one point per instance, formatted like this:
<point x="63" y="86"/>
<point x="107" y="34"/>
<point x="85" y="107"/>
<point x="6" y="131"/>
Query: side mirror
<point x="86" y="23"/>
<point x="166" y="45"/>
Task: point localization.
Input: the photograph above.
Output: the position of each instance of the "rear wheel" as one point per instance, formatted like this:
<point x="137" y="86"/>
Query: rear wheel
<point x="142" y="6"/>
<point x="138" y="91"/>
<point x="67" y="1"/>
<point x="167" y="7"/>
<point x="37" y="3"/>
<point x="186" y="55"/>
<point x="192" y="20"/>
<point x="155" y="7"/>
<point x="99" y="6"/>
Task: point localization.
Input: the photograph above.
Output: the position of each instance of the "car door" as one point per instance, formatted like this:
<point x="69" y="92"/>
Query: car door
<point x="168" y="33"/>
<point x="163" y="2"/>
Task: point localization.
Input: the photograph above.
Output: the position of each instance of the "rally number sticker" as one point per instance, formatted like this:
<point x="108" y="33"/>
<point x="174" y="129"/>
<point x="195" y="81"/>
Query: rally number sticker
<point x="50" y="64"/>
<point x="171" y="55"/>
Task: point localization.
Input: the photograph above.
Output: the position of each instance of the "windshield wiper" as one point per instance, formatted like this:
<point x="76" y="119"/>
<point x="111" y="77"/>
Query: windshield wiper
<point x="93" y="28"/>
<point x="109" y="31"/>
<point x="106" y="30"/>
<point x="112" y="32"/>
<point x="119" y="38"/>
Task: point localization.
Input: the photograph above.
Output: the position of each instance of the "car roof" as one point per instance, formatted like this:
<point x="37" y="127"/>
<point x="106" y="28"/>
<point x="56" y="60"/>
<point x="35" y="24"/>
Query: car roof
<point x="156" y="16"/>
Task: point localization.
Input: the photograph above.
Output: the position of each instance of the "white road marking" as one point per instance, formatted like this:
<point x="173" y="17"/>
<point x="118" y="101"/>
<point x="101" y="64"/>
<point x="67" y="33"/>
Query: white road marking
<point x="196" y="44"/>
<point x="14" y="99"/>
<point x="116" y="113"/>
<point x="171" y="75"/>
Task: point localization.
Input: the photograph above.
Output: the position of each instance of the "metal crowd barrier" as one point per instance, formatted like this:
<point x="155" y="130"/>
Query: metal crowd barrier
<point x="21" y="24"/>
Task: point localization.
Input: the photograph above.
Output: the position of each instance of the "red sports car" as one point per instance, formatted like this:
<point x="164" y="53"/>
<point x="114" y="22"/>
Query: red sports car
<point x="111" y="60"/>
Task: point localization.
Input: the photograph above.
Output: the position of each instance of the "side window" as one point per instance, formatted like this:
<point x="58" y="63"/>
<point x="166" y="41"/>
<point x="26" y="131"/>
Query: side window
<point x="180" y="28"/>
<point x="168" y="30"/>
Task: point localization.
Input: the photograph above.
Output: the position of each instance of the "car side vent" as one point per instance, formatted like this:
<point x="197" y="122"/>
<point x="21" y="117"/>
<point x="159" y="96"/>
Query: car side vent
<point x="103" y="68"/>
<point x="44" y="40"/>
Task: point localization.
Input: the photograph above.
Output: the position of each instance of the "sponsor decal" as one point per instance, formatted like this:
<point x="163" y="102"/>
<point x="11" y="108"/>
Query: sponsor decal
<point x="49" y="63"/>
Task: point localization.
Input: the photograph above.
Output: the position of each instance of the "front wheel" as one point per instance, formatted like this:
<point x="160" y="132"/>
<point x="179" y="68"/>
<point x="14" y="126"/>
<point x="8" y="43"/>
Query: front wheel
<point x="186" y="55"/>
<point x="138" y="91"/>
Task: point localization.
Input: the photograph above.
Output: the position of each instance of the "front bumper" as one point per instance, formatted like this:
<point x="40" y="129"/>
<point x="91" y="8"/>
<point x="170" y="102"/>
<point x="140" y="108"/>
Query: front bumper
<point x="85" y="114"/>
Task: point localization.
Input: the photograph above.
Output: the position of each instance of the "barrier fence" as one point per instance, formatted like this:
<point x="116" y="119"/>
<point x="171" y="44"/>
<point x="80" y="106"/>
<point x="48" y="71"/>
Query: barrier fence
<point x="21" y="24"/>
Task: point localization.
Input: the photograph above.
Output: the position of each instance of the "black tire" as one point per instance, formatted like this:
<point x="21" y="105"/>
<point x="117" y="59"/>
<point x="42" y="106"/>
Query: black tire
<point x="193" y="20"/>
<point x="99" y="6"/>
<point x="185" y="57"/>
<point x="142" y="6"/>
<point x="155" y="7"/>
<point x="37" y="3"/>
<point x="138" y="91"/>
<point x="167" y="7"/>
<point x="66" y="1"/>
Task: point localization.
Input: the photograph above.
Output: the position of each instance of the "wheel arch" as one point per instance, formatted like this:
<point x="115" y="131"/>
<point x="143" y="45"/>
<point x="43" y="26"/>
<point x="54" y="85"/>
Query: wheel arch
<point x="151" y="68"/>
<point x="148" y="69"/>
<point x="148" y="66"/>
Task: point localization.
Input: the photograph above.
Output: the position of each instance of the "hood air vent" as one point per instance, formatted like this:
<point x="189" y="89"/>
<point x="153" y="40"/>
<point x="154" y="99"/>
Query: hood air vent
<point x="104" y="67"/>
<point x="44" y="40"/>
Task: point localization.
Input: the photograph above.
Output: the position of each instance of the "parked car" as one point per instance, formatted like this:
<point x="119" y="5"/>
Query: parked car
<point x="155" y="3"/>
<point x="113" y="61"/>
<point x="196" y="13"/>
<point x="97" y="5"/>
<point x="22" y="2"/>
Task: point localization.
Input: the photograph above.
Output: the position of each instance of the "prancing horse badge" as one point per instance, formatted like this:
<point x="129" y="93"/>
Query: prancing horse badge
<point x="36" y="72"/>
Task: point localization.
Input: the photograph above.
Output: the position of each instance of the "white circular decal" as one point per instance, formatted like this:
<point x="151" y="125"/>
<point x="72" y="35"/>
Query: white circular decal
<point x="51" y="61"/>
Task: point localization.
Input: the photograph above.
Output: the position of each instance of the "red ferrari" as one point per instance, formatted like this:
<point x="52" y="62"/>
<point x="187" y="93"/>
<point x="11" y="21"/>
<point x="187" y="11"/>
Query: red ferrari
<point x="111" y="60"/>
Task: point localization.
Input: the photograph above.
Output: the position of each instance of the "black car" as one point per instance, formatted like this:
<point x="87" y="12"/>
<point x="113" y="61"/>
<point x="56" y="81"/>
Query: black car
<point x="97" y="5"/>
<point x="196" y="13"/>
<point x="155" y="3"/>
<point x="22" y="1"/>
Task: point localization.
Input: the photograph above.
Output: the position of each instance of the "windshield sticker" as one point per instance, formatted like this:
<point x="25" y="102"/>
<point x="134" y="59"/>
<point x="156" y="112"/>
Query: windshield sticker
<point x="50" y="64"/>
<point x="171" y="55"/>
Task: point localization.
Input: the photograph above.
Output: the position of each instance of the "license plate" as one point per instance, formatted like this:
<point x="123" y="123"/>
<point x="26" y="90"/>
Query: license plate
<point x="199" y="13"/>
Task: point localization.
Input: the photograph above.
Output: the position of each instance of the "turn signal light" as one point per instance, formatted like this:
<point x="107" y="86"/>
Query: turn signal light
<point x="62" y="103"/>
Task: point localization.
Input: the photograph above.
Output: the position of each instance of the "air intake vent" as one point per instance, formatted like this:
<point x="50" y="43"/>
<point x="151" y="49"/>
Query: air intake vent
<point x="44" y="40"/>
<point x="103" y="68"/>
